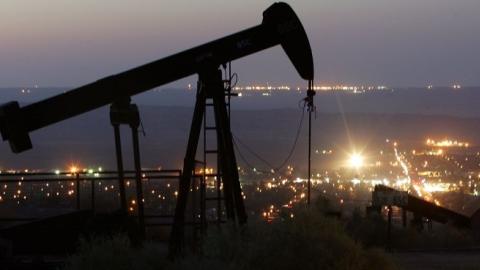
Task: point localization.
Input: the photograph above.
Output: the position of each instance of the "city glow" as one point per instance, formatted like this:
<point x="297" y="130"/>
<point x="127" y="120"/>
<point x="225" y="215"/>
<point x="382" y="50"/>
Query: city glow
<point x="427" y="171"/>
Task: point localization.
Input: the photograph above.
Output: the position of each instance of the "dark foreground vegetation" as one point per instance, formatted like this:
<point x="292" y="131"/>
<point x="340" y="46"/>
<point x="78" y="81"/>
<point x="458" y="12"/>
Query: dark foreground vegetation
<point x="313" y="238"/>
<point x="309" y="240"/>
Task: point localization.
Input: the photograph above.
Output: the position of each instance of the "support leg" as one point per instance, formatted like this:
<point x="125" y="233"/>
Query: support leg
<point x="237" y="189"/>
<point x="121" y="177"/>
<point x="225" y="172"/>
<point x="176" y="238"/>
<point x="138" y="178"/>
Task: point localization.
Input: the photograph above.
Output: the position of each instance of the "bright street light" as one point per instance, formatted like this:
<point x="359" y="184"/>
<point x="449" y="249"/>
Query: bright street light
<point x="356" y="160"/>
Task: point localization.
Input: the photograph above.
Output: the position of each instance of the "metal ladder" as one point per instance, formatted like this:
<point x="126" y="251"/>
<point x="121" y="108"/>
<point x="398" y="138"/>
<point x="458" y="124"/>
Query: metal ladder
<point x="208" y="155"/>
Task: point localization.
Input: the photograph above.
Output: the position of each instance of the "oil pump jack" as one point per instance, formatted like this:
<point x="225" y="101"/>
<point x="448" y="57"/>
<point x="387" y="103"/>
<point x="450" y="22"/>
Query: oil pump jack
<point x="280" y="26"/>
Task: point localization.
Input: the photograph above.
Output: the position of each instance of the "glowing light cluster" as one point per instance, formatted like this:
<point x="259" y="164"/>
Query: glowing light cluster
<point x="353" y="88"/>
<point x="447" y="143"/>
<point x="261" y="88"/>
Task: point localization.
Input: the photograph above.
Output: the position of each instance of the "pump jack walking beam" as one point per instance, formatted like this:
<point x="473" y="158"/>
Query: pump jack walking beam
<point x="280" y="26"/>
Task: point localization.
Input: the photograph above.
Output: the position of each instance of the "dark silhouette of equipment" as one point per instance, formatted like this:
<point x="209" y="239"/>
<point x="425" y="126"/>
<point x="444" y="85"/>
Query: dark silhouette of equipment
<point x="280" y="26"/>
<point x="419" y="207"/>
<point x="211" y="86"/>
<point x="123" y="112"/>
<point x="311" y="109"/>
<point x="213" y="154"/>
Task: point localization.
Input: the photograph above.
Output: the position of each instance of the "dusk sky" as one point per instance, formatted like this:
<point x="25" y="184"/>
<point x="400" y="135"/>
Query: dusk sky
<point x="396" y="43"/>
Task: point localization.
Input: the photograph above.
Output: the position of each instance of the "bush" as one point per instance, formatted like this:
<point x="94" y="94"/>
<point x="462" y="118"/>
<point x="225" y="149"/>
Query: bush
<point x="116" y="253"/>
<point x="308" y="241"/>
<point x="371" y="231"/>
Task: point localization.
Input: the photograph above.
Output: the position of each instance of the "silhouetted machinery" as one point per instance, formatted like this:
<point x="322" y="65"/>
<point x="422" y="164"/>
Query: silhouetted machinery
<point x="387" y="196"/>
<point x="280" y="26"/>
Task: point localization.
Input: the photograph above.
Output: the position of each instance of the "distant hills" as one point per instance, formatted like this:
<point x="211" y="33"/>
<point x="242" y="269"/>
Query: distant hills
<point x="437" y="101"/>
<point x="87" y="140"/>
<point x="266" y="123"/>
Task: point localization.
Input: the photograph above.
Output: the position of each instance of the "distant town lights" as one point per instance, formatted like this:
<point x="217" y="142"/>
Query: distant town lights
<point x="338" y="87"/>
<point x="447" y="143"/>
